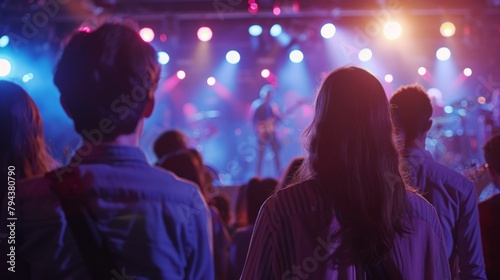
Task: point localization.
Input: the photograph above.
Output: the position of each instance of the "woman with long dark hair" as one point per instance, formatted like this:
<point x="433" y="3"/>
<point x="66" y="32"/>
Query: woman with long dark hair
<point x="22" y="143"/>
<point x="350" y="215"/>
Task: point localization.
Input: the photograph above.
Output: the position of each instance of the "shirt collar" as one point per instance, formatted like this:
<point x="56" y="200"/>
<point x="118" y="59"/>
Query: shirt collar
<point x="108" y="153"/>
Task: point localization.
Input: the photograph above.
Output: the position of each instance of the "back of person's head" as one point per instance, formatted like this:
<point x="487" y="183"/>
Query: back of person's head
<point x="107" y="79"/>
<point x="351" y="151"/>
<point x="22" y="144"/>
<point x="221" y="202"/>
<point x="257" y="192"/>
<point x="290" y="172"/>
<point x="169" y="142"/>
<point x="184" y="165"/>
<point x="266" y="92"/>
<point x="492" y="154"/>
<point x="412" y="110"/>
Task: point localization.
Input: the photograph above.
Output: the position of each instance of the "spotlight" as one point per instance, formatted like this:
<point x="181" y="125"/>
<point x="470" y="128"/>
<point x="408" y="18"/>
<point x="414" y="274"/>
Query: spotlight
<point x="422" y="71"/>
<point x="276" y="30"/>
<point x="211" y="81"/>
<point x="4" y="41"/>
<point x="253" y="8"/>
<point x="27" y="77"/>
<point x="181" y="75"/>
<point x="87" y="29"/>
<point x="205" y="34"/>
<point x="467" y="72"/>
<point x="365" y="54"/>
<point x="255" y="30"/>
<point x="5" y="67"/>
<point x="447" y="29"/>
<point x="163" y="58"/>
<point x="481" y="100"/>
<point x="296" y="56"/>
<point x="392" y="30"/>
<point x="147" y="34"/>
<point x="276" y="11"/>
<point x="233" y="57"/>
<point x="328" y="30"/>
<point x="448" y="109"/>
<point x="388" y="78"/>
<point x="265" y="73"/>
<point x="443" y="54"/>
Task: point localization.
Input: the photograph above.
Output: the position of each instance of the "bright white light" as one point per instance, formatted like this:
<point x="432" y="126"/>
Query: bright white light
<point x="467" y="72"/>
<point x="328" y="30"/>
<point x="448" y="109"/>
<point x="265" y="73"/>
<point x="365" y="54"/>
<point x="388" y="78"/>
<point x="443" y="54"/>
<point x="27" y="77"/>
<point x="181" y="75"/>
<point x="5" y="67"/>
<point x="211" y="81"/>
<point x="422" y="71"/>
<point x="447" y="29"/>
<point x="147" y="34"/>
<point x="392" y="30"/>
<point x="163" y="58"/>
<point x="255" y="30"/>
<point x="4" y="41"/>
<point x="276" y="30"/>
<point x="296" y="56"/>
<point x="205" y="34"/>
<point x="233" y="57"/>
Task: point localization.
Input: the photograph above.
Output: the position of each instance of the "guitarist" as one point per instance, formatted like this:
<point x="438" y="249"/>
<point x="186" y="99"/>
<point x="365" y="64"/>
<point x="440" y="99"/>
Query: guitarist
<point x="265" y="115"/>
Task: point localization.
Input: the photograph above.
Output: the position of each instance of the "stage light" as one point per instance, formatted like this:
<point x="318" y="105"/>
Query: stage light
<point x="5" y="67"/>
<point x="253" y="8"/>
<point x="163" y="37"/>
<point x="365" y="54"/>
<point x="481" y="100"/>
<point x="181" y="75"/>
<point x="27" y="77"/>
<point x="163" y="58"/>
<point x="211" y="81"/>
<point x="467" y="72"/>
<point x="443" y="54"/>
<point x="448" y="109"/>
<point x="388" y="78"/>
<point x="4" y="41"/>
<point x="205" y="34"/>
<point x="328" y="30"/>
<point x="276" y="30"/>
<point x="392" y="30"/>
<point x="233" y="57"/>
<point x="276" y="11"/>
<point x="447" y="29"/>
<point x="296" y="56"/>
<point x="422" y="71"/>
<point x="147" y="34"/>
<point x="265" y="73"/>
<point x="255" y="30"/>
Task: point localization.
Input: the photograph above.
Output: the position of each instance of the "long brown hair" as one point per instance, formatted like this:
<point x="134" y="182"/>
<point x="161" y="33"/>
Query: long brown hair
<point x="22" y="144"/>
<point x="352" y="153"/>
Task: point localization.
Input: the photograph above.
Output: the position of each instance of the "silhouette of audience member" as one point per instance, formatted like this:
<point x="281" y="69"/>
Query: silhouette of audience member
<point x="169" y="142"/>
<point x="189" y="165"/>
<point x="257" y="192"/>
<point x="489" y="211"/>
<point x="351" y="215"/>
<point x="22" y="146"/>
<point x="223" y="205"/>
<point x="290" y="172"/>
<point x="453" y="196"/>
<point x="153" y="226"/>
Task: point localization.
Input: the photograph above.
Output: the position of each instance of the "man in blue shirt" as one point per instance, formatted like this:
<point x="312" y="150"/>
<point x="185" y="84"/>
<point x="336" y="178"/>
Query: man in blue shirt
<point x="453" y="196"/>
<point x="153" y="225"/>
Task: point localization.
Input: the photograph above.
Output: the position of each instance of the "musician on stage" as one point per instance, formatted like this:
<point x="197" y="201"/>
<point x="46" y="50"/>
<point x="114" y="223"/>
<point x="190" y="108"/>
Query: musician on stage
<point x="265" y="114"/>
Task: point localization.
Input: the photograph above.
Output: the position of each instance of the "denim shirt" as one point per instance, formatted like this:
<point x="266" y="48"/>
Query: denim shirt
<point x="454" y="198"/>
<point x="156" y="226"/>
